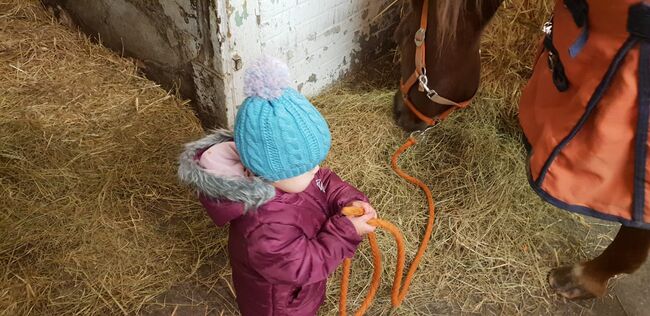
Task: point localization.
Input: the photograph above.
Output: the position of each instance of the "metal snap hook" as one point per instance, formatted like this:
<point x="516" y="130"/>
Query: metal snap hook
<point x="548" y="28"/>
<point x="423" y="83"/>
<point x="421" y="134"/>
<point x="431" y="94"/>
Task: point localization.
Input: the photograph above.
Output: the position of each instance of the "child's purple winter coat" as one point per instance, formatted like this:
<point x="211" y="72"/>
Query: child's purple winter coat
<point x="284" y="248"/>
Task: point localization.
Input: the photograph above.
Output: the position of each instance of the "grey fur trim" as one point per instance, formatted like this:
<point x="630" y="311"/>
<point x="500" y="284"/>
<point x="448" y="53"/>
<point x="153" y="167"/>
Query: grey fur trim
<point x="253" y="192"/>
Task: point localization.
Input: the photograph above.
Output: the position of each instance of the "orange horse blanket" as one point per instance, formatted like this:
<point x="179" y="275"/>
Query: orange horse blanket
<point x="585" y="111"/>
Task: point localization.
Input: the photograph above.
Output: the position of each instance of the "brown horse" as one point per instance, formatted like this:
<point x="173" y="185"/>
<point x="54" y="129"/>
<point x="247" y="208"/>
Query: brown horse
<point x="453" y="30"/>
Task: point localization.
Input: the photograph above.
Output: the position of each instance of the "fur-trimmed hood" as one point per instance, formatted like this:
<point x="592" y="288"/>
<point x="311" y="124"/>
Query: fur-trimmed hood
<point x="252" y="191"/>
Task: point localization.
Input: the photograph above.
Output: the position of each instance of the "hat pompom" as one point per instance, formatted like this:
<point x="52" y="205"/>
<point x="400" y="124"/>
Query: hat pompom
<point x="266" y="78"/>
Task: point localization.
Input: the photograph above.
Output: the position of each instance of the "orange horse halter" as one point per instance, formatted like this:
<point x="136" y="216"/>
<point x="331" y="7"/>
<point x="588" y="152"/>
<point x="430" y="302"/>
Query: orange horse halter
<point x="420" y="78"/>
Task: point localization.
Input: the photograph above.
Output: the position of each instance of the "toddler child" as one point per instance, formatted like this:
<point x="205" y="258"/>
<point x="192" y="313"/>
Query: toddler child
<point x="287" y="234"/>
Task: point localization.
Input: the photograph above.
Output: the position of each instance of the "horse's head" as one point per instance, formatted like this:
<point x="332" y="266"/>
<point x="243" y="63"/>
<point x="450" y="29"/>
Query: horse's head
<point x="451" y="55"/>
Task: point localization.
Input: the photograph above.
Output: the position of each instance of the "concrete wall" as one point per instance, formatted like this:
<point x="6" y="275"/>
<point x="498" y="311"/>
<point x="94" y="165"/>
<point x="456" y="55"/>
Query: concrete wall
<point x="202" y="46"/>
<point x="319" y="39"/>
<point x="177" y="42"/>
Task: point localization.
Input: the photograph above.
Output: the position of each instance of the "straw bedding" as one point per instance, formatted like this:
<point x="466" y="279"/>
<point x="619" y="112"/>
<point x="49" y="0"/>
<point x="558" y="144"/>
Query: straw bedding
<point x="93" y="220"/>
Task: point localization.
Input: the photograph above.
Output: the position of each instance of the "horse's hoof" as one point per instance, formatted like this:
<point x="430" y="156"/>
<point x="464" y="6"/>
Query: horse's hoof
<point x="572" y="284"/>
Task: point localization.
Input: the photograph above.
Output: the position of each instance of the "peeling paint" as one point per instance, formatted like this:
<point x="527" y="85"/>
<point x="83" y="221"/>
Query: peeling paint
<point x="321" y="41"/>
<point x="197" y="39"/>
<point x="333" y="30"/>
<point x="229" y="8"/>
<point x="243" y="15"/>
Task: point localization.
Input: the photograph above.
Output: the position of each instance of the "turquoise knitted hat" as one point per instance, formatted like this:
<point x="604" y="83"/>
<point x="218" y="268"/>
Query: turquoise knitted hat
<point x="279" y="134"/>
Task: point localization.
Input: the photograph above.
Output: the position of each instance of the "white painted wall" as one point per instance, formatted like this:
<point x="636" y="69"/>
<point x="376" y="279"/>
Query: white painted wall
<point x="319" y="39"/>
<point x="203" y="46"/>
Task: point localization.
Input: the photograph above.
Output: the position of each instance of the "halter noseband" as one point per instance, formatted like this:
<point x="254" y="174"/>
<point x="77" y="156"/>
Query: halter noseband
<point x="420" y="78"/>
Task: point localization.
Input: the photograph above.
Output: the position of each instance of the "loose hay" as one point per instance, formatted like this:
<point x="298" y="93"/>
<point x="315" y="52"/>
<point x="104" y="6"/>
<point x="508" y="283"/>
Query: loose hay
<point x="93" y="221"/>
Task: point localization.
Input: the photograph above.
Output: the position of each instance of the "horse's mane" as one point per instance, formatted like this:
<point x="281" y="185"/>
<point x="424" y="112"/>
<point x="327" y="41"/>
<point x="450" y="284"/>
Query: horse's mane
<point x="449" y="13"/>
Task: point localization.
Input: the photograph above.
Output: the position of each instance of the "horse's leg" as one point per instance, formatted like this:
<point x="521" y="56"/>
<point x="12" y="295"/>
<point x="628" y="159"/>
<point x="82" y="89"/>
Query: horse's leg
<point x="625" y="254"/>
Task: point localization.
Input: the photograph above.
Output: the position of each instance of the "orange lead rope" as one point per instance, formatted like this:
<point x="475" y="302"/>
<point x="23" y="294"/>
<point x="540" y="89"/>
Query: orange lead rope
<point x="399" y="290"/>
<point x="418" y="78"/>
<point x="376" y="255"/>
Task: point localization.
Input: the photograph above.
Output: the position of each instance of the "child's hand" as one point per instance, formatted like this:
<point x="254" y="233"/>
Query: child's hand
<point x="367" y="208"/>
<point x="361" y="223"/>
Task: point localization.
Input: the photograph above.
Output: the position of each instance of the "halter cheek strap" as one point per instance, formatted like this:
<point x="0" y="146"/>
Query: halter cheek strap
<point x="419" y="78"/>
